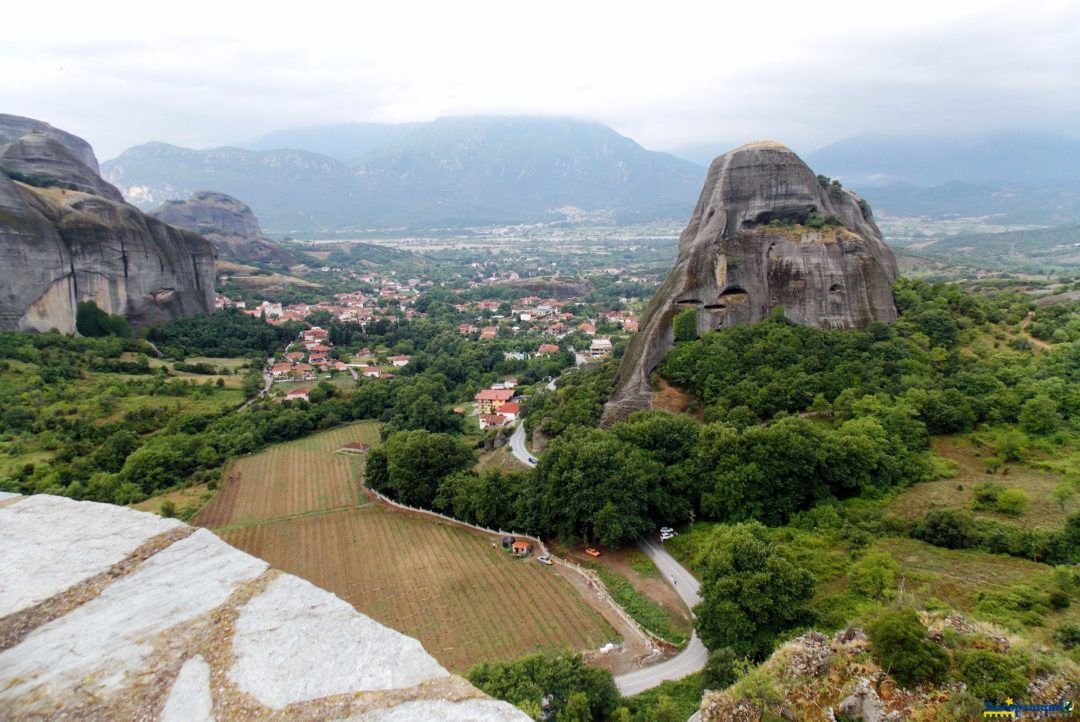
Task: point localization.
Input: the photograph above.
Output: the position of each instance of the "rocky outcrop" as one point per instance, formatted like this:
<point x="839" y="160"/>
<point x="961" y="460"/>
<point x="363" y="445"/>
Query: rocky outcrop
<point x="755" y="243"/>
<point x="43" y="160"/>
<point x="13" y="127"/>
<point x="67" y="236"/>
<point x="227" y="223"/>
<point x="155" y="620"/>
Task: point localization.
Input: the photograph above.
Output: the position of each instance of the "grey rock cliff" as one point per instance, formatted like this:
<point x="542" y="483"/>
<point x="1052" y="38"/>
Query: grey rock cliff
<point x="60" y="246"/>
<point x="42" y="157"/>
<point x="734" y="268"/>
<point x="227" y="223"/>
<point x="13" y="127"/>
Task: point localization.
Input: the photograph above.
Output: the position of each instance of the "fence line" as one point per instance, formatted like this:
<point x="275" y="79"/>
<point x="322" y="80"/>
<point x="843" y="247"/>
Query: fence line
<point x="655" y="642"/>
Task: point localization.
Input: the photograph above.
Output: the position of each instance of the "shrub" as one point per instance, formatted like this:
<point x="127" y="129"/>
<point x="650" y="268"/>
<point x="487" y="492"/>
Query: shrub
<point x="168" y="509"/>
<point x="721" y="670"/>
<point x="1068" y="635"/>
<point x="985" y="495"/>
<point x="1012" y="502"/>
<point x="1058" y="599"/>
<point x="990" y="675"/>
<point x="873" y="574"/>
<point x="949" y="528"/>
<point x="899" y="643"/>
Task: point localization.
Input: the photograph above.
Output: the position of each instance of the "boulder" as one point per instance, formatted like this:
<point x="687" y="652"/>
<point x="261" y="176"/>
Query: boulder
<point x="227" y="223"/>
<point x="40" y="159"/>
<point x="756" y="243"/>
<point x="13" y="127"/>
<point x="864" y="704"/>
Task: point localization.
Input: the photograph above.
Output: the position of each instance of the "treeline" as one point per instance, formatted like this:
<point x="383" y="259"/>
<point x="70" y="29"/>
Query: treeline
<point x="229" y="333"/>
<point x="932" y="364"/>
<point x="614" y="486"/>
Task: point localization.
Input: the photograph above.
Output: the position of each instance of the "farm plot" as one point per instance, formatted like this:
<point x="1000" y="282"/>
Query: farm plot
<point x="448" y="587"/>
<point x="297" y="477"/>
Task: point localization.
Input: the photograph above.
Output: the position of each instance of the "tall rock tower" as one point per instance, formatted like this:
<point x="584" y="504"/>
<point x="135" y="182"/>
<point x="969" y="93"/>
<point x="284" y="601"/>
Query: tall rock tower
<point x="765" y="234"/>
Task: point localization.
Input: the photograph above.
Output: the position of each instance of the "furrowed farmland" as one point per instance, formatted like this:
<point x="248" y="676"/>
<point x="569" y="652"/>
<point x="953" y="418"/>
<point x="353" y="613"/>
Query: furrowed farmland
<point x="298" y="507"/>
<point x="294" y="478"/>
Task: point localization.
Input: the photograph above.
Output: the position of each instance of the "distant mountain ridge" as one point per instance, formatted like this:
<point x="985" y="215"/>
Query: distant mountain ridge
<point x="458" y="171"/>
<point x="1006" y="157"/>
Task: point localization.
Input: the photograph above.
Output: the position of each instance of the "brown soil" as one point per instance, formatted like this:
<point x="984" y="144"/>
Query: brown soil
<point x="674" y="400"/>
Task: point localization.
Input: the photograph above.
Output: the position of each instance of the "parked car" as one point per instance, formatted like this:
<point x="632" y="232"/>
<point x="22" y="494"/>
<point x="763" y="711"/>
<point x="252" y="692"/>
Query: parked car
<point x="532" y="460"/>
<point x="664" y="536"/>
<point x="666" y="530"/>
<point x="592" y="552"/>
<point x="545" y="559"/>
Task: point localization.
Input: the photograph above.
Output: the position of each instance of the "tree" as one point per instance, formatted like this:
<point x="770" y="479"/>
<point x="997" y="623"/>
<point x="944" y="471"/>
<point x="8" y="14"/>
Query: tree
<point x="593" y="486"/>
<point x="90" y="320"/>
<point x="577" y="709"/>
<point x="411" y="464"/>
<point x="751" y="592"/>
<point x="558" y="678"/>
<point x="898" y="640"/>
<point x="1063" y="493"/>
<point x="721" y="670"/>
<point x="949" y="528"/>
<point x="1039" y="415"/>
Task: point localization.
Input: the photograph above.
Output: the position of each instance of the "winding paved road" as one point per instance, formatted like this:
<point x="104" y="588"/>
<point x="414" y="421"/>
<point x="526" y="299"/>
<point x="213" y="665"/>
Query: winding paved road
<point x="691" y="659"/>
<point x="517" y="445"/>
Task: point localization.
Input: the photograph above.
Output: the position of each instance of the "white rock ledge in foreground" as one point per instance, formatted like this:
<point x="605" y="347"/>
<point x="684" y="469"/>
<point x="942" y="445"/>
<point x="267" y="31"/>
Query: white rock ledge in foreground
<point x="111" y="613"/>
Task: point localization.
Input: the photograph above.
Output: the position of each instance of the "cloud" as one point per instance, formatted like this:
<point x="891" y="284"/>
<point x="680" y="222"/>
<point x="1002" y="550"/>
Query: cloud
<point x="205" y="74"/>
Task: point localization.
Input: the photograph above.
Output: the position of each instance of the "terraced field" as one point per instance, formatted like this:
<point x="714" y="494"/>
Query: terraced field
<point x="298" y="506"/>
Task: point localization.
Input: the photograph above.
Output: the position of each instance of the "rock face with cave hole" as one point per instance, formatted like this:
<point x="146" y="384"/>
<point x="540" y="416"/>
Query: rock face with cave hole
<point x="765" y="234"/>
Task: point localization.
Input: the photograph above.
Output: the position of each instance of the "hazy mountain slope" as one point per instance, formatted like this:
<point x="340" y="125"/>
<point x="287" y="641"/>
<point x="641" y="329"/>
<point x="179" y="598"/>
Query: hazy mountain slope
<point x="1019" y="204"/>
<point x="1004" y="158"/>
<point x="454" y="171"/>
<point x="287" y="189"/>
<point x="346" y="142"/>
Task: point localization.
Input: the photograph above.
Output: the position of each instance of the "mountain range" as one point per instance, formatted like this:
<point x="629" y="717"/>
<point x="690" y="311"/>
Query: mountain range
<point x="457" y="171"/>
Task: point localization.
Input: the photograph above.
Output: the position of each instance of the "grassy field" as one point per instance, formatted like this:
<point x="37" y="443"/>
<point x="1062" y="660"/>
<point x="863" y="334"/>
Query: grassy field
<point x="299" y="477"/>
<point x="297" y="506"/>
<point x="957" y="492"/>
<point x="962" y="579"/>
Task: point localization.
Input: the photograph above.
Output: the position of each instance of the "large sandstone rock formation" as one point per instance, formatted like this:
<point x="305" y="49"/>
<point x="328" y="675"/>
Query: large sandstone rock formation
<point x="748" y="251"/>
<point x="110" y="613"/>
<point x="227" y="223"/>
<point x="68" y="236"/>
<point x="13" y="127"/>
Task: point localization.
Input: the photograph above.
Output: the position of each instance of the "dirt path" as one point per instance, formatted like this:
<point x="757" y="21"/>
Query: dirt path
<point x="1037" y="342"/>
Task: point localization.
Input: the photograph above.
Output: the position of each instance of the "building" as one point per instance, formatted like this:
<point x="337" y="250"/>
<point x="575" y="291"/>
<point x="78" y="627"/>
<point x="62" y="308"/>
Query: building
<point x="400" y="360"/>
<point x="281" y="371"/>
<point x="600" y="348"/>
<point x="489" y="332"/>
<point x="489" y="401"/>
<point x="510" y="411"/>
<point x="355" y="447"/>
<point x="297" y="395"/>
<point x="492" y="421"/>
<point x="546" y="349"/>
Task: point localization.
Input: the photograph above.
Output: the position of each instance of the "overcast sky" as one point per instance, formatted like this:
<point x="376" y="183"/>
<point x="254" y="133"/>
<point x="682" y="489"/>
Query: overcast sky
<point x="667" y="74"/>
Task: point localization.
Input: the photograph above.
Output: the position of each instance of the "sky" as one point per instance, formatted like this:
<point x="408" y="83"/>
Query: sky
<point x="668" y="74"/>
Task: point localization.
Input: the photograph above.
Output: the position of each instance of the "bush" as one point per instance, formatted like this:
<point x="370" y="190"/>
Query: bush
<point x="1068" y="635"/>
<point x="985" y="495"/>
<point x="1058" y="600"/>
<point x="168" y="509"/>
<point x="873" y="574"/>
<point x="1012" y="502"/>
<point x="899" y="643"/>
<point x="990" y="675"/>
<point x="949" y="528"/>
<point x="721" y="670"/>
